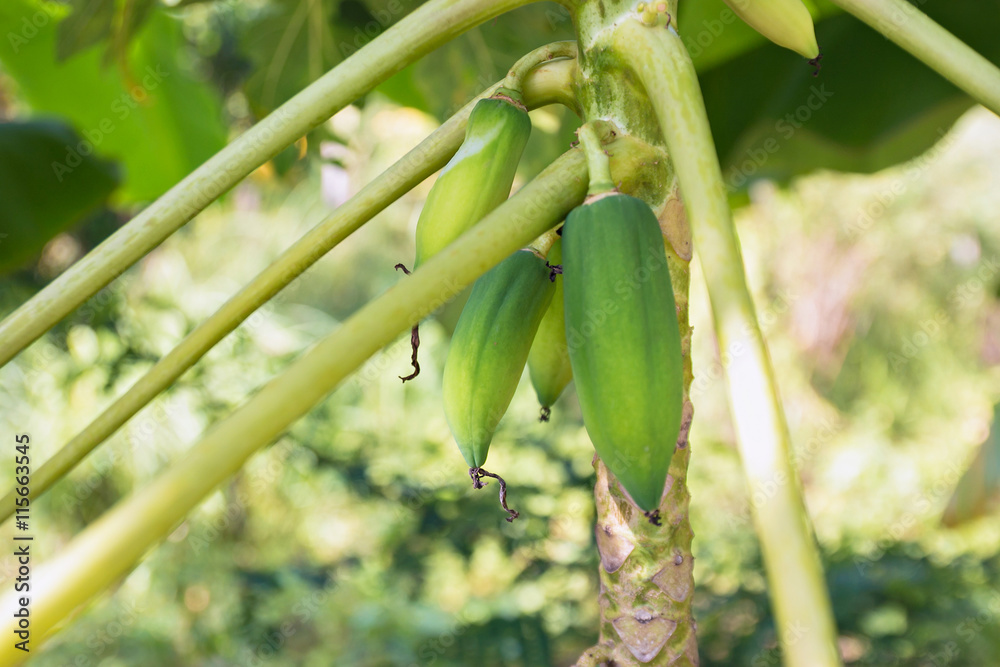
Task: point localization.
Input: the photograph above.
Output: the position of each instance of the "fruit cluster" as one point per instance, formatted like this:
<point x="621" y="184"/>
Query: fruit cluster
<point x="602" y="278"/>
<point x="605" y="279"/>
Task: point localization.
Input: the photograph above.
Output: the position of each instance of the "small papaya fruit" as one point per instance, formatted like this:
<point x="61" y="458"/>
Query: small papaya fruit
<point x="548" y="360"/>
<point x="490" y="347"/>
<point x="479" y="176"/>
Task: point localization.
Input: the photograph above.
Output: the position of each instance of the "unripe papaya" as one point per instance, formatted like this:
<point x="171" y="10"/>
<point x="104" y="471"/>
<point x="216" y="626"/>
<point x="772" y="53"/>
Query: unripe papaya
<point x="548" y="360"/>
<point x="787" y="23"/>
<point x="475" y="181"/>
<point x="479" y="176"/>
<point x="624" y="340"/>
<point x="490" y="347"/>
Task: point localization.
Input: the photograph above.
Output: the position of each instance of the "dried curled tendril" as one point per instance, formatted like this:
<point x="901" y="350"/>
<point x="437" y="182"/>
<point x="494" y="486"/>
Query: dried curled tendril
<point x="815" y="63"/>
<point x="414" y="340"/>
<point x="477" y="475"/>
<point x="554" y="270"/>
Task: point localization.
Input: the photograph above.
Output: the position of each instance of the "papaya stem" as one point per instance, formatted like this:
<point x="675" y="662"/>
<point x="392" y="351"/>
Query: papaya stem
<point x="940" y="50"/>
<point x="547" y="84"/>
<point x="594" y="656"/>
<point x="423" y="30"/>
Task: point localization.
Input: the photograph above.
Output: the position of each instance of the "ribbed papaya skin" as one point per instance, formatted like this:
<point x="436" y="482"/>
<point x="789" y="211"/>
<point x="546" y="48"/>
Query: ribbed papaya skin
<point x="477" y="179"/>
<point x="787" y="23"/>
<point x="490" y="347"/>
<point x="548" y="360"/>
<point x="624" y="341"/>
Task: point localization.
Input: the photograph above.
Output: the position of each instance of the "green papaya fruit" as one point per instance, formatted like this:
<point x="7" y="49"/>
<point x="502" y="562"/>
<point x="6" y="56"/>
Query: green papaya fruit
<point x="490" y="347"/>
<point x="548" y="360"/>
<point x="623" y="339"/>
<point x="479" y="176"/>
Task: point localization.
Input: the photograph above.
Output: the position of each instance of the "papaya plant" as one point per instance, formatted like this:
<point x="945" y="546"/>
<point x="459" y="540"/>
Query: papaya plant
<point x="641" y="190"/>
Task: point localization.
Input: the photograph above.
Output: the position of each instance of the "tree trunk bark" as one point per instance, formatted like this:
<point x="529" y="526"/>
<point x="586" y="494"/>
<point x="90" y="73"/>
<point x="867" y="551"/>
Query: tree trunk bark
<point x="647" y="580"/>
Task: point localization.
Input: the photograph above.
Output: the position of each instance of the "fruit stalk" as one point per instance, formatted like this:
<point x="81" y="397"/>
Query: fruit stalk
<point x="543" y="54"/>
<point x="419" y="33"/>
<point x="113" y="544"/>
<point x="548" y="84"/>
<point x="801" y="603"/>
<point x="940" y="50"/>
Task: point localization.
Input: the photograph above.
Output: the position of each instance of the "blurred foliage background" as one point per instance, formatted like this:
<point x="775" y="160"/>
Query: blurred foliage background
<point x="356" y="539"/>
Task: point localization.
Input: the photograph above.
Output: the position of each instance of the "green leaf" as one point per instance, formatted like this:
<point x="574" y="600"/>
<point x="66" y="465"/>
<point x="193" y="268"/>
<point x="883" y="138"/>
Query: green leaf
<point x="873" y="105"/>
<point x="89" y="23"/>
<point x="41" y="199"/>
<point x="151" y="113"/>
<point x="450" y="76"/>
<point x="134" y="14"/>
<point x="291" y="44"/>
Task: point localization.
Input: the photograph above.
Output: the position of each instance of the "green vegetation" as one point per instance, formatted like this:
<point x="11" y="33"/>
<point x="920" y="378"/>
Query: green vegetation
<point x="280" y="498"/>
<point x="357" y="538"/>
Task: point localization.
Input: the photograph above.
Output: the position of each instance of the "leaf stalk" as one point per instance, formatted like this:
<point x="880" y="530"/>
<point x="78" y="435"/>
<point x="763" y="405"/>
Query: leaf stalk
<point x="798" y="593"/>
<point x="112" y="545"/>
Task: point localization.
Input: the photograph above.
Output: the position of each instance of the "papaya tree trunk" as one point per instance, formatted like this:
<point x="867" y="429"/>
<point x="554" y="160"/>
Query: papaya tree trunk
<point x="647" y="580"/>
<point x="646" y="570"/>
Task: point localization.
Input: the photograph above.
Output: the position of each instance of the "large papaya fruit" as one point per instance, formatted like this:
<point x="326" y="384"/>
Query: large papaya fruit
<point x="623" y="339"/>
<point x="490" y="347"/>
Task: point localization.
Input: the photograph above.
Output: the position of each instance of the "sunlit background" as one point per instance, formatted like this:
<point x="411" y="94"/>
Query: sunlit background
<point x="357" y="539"/>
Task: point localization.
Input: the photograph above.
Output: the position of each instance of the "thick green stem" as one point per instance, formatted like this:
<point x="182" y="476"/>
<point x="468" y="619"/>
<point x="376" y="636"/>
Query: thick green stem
<point x="940" y="50"/>
<point x="647" y="582"/>
<point x="515" y="77"/>
<point x="598" y="163"/>
<point x="798" y="593"/>
<point x="547" y="84"/>
<point x="111" y="546"/>
<point x="426" y="28"/>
